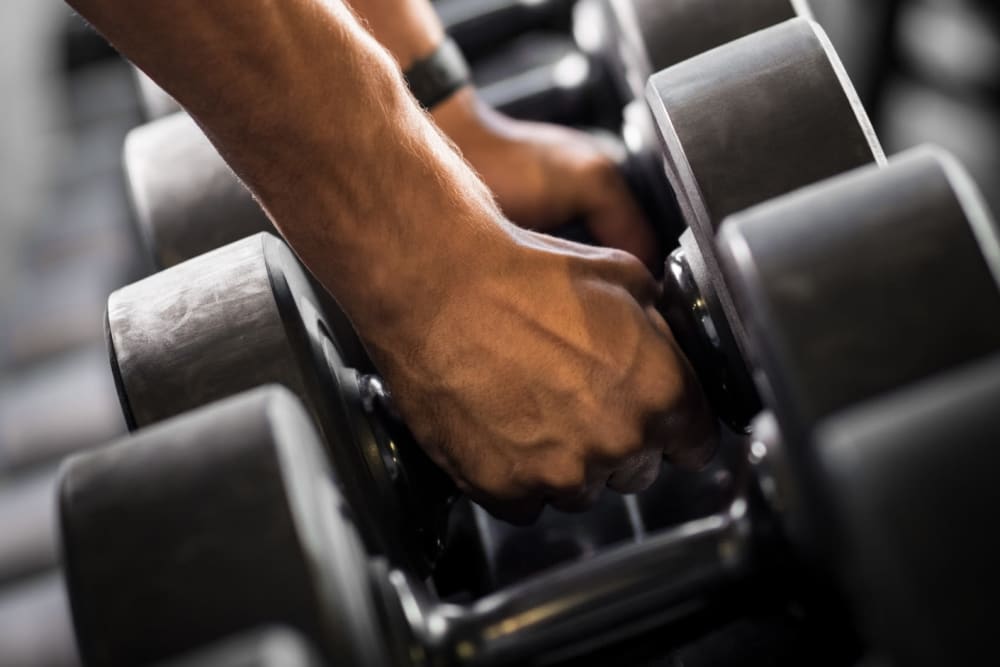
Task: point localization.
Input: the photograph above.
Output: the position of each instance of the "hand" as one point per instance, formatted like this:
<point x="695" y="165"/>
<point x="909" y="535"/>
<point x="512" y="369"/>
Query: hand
<point x="544" y="374"/>
<point x="544" y="176"/>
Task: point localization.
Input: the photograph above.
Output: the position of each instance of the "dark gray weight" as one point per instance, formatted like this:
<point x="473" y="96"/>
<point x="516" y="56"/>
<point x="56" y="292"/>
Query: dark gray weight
<point x="756" y="118"/>
<point x="919" y="513"/>
<point x="172" y="353"/>
<point x="761" y="116"/>
<point x="27" y="523"/>
<point x="269" y="647"/>
<point x="848" y="292"/>
<point x="63" y="406"/>
<point x="36" y="629"/>
<point x="824" y="332"/>
<point x="211" y="524"/>
<point x="185" y="198"/>
<point x="647" y="36"/>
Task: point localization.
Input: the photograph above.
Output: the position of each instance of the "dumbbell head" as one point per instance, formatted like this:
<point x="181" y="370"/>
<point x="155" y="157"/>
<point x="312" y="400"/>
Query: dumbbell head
<point x="877" y="279"/>
<point x="758" y="117"/>
<point x="185" y="199"/>
<point x="641" y="37"/>
<point x="246" y="315"/>
<point x="912" y="475"/>
<point x="214" y="523"/>
<point x="872" y="305"/>
<point x="848" y="292"/>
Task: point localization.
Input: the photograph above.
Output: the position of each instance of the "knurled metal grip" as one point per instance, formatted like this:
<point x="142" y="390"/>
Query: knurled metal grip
<point x="435" y="78"/>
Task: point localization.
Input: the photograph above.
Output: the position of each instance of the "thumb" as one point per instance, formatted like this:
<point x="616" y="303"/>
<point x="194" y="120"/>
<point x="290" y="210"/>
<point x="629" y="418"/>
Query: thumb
<point x="613" y="217"/>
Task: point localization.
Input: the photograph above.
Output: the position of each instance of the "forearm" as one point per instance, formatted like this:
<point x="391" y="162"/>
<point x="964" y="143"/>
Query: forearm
<point x="313" y="115"/>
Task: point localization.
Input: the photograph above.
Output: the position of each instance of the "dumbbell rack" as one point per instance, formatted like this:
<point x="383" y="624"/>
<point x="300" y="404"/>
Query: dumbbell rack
<point x="727" y="515"/>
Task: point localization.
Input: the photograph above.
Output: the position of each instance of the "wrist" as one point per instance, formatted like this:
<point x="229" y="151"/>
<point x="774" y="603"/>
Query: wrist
<point x="456" y="253"/>
<point x="469" y="122"/>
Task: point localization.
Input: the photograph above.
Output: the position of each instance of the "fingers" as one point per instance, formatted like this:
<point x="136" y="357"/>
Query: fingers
<point x="687" y="434"/>
<point x="611" y="213"/>
<point x="638" y="473"/>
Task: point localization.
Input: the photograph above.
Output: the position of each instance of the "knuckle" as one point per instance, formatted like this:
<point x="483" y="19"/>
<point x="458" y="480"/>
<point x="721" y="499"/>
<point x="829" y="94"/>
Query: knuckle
<point x="563" y="480"/>
<point x="630" y="264"/>
<point x="665" y="385"/>
<point x="637" y="474"/>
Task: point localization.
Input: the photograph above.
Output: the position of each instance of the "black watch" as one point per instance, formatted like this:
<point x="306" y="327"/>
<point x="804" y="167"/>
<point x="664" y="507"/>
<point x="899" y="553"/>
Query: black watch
<point x="435" y="78"/>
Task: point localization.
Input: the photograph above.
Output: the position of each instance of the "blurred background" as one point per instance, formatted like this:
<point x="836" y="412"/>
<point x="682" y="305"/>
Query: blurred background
<point x="928" y="70"/>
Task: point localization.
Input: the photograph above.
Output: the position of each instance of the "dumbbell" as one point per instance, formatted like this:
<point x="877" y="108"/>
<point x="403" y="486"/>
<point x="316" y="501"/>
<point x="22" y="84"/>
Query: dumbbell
<point x="187" y="201"/>
<point x="860" y="347"/>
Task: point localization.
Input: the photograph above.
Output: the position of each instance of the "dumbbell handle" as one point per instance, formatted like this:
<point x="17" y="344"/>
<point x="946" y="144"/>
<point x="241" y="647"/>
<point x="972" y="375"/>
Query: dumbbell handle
<point x="573" y="610"/>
